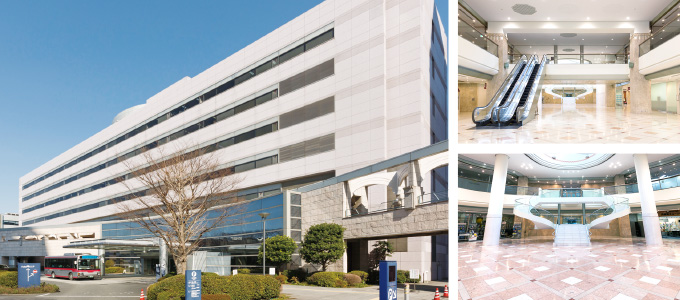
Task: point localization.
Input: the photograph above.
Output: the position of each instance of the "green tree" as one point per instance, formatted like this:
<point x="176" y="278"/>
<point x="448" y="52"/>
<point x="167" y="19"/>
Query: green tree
<point x="279" y="250"/>
<point x="109" y="263"/>
<point x="323" y="244"/>
<point x="381" y="250"/>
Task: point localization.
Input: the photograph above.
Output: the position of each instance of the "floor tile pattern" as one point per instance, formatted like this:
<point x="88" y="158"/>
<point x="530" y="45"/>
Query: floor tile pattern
<point x="609" y="269"/>
<point x="587" y="124"/>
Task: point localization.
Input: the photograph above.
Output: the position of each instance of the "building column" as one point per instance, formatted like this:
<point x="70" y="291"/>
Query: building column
<point x="650" y="217"/>
<point x="494" y="217"/>
<point x="640" y="88"/>
<point x="498" y="79"/>
<point x="610" y="95"/>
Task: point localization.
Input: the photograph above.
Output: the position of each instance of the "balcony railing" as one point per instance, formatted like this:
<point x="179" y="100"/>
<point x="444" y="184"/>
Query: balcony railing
<point x="658" y="184"/>
<point x="585" y="59"/>
<point x="476" y="37"/>
<point x="433" y="197"/>
<point x="663" y="34"/>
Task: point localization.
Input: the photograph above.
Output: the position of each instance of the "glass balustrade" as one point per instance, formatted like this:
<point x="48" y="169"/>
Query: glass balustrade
<point x="476" y="37"/>
<point x="586" y="59"/>
<point x="660" y="36"/>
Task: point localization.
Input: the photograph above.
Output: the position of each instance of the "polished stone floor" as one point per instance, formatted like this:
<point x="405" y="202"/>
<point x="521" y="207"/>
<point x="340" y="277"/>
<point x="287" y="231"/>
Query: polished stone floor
<point x="612" y="269"/>
<point x="585" y="124"/>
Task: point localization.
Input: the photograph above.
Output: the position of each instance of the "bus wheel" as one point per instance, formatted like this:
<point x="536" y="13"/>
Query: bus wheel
<point x="70" y="276"/>
<point x="53" y="275"/>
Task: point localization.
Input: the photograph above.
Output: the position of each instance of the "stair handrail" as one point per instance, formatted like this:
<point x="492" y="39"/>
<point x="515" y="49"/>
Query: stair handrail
<point x="497" y="111"/>
<point x="500" y="92"/>
<point x="543" y="214"/>
<point x="521" y="115"/>
<point x="609" y="209"/>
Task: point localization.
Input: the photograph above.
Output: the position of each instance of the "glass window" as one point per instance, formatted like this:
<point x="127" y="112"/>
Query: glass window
<point x="244" y="167"/>
<point x="209" y="95"/>
<point x="223" y="115"/>
<point x="245" y="106"/>
<point x="226" y="143"/>
<point x="263" y="162"/>
<point x="264" y="98"/>
<point x="244" y="136"/>
<point x="263" y="67"/>
<point x="324" y="37"/>
<point x="243" y="78"/>
<point x="291" y="53"/>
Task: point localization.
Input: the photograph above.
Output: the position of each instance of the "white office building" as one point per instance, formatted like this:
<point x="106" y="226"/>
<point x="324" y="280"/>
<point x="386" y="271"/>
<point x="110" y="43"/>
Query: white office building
<point x="342" y="86"/>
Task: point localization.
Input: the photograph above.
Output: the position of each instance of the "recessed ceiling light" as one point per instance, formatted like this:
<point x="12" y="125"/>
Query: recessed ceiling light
<point x="587" y="18"/>
<point x="627" y="18"/>
<point x="548" y="18"/>
<point x="553" y="39"/>
<point x="508" y="18"/>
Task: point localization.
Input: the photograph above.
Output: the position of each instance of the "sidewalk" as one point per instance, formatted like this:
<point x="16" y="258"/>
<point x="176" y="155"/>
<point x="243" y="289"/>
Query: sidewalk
<point x="368" y="293"/>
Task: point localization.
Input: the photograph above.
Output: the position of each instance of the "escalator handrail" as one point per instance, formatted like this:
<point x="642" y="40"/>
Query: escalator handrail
<point x="523" y="111"/>
<point x="500" y="93"/>
<point x="515" y="95"/>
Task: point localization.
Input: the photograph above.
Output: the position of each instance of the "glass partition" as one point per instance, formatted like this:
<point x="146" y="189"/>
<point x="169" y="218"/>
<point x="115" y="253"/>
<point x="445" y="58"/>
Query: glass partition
<point x="476" y="37"/>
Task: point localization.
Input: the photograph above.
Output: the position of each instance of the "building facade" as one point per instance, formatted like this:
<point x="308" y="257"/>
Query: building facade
<point x="340" y="87"/>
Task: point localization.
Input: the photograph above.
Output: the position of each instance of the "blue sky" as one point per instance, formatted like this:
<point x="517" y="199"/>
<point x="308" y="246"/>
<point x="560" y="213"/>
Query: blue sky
<point x="68" y="67"/>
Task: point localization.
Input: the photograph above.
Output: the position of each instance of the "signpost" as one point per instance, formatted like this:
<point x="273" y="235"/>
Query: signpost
<point x="388" y="280"/>
<point x="272" y="271"/>
<point x="192" y="284"/>
<point x="28" y="275"/>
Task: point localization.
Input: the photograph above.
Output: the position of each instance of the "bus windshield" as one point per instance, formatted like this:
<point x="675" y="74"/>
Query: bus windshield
<point x="88" y="264"/>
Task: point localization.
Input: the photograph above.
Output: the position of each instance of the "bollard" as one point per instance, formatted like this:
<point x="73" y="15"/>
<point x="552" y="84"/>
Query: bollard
<point x="406" y="292"/>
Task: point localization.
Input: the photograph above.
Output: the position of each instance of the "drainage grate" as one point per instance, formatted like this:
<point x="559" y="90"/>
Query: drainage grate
<point x="524" y="9"/>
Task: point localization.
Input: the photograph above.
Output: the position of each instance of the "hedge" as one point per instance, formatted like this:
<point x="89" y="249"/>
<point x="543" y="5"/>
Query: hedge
<point x="113" y="270"/>
<point x="363" y="275"/>
<point x="334" y="279"/>
<point x="300" y="274"/>
<point x="238" y="287"/>
<point x="41" y="289"/>
<point x="403" y="277"/>
<point x="9" y="279"/>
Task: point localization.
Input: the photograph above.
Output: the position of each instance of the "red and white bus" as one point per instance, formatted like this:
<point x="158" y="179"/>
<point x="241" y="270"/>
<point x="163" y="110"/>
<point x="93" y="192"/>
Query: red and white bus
<point x="71" y="267"/>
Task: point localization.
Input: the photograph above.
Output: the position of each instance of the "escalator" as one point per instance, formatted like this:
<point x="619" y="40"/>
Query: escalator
<point x="482" y="115"/>
<point x="519" y="102"/>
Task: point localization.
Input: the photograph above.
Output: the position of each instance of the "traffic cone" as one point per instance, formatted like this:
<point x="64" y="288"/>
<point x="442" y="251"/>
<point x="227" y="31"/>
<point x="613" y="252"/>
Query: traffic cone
<point x="141" y="297"/>
<point x="436" y="295"/>
<point x="446" y="291"/>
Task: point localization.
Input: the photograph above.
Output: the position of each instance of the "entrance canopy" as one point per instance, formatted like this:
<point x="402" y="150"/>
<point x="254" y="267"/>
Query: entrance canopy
<point x="115" y="244"/>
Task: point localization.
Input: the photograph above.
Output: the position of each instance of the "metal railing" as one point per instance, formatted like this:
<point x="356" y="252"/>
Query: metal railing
<point x="476" y="37"/>
<point x="662" y="35"/>
<point x="433" y="197"/>
<point x="586" y="58"/>
<point x="658" y="184"/>
<point x="617" y="203"/>
<point x="571" y="192"/>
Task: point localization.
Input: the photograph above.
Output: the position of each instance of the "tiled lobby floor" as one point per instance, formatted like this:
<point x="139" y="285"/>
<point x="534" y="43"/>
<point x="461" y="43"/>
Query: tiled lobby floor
<point x="587" y="124"/>
<point x="612" y="269"/>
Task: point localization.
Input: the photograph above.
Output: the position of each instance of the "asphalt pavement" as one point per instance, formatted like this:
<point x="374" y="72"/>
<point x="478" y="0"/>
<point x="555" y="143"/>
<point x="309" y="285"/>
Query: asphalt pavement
<point x="105" y="289"/>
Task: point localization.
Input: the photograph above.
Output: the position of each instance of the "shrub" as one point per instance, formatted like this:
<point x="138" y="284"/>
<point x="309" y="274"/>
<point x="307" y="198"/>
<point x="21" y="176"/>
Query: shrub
<point x="109" y="263"/>
<point x="352" y="280"/>
<point x="8" y="279"/>
<point x="215" y="297"/>
<point x="165" y="277"/>
<point x="43" y="288"/>
<point x="326" y="279"/>
<point x="363" y="275"/>
<point x="244" y="271"/>
<point x="373" y="277"/>
<point x="294" y="280"/>
<point x="282" y="278"/>
<point x="239" y="287"/>
<point x="300" y="274"/>
<point x="403" y="277"/>
<point x="340" y="283"/>
<point x="113" y="270"/>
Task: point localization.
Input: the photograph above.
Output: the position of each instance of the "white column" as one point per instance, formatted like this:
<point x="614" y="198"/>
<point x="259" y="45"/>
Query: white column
<point x="650" y="217"/>
<point x="492" y="232"/>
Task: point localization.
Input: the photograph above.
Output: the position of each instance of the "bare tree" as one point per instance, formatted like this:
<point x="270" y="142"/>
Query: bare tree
<point x="179" y="197"/>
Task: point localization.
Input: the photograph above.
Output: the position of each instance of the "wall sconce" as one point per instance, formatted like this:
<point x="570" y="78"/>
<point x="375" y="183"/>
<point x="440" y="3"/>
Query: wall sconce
<point x="631" y="64"/>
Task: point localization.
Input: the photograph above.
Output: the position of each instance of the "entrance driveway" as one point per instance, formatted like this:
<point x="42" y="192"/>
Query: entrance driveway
<point x="105" y="289"/>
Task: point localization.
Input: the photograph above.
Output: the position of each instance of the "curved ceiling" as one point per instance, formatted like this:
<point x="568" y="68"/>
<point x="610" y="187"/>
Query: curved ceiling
<point x="569" y="161"/>
<point x="568" y="10"/>
<point x="522" y="164"/>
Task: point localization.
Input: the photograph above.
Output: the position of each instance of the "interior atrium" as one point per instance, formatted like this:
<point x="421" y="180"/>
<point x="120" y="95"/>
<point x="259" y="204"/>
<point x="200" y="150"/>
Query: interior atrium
<point x="569" y="226"/>
<point x="596" y="72"/>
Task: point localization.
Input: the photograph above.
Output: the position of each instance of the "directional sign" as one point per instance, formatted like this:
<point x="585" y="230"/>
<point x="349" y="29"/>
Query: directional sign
<point x="28" y="275"/>
<point x="192" y="284"/>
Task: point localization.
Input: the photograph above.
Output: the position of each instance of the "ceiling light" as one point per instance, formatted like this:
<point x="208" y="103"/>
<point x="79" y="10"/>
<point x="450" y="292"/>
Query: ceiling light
<point x="473" y="21"/>
<point x="628" y="18"/>
<point x="587" y="18"/>
<point x="508" y="18"/>
<point x="553" y="39"/>
<point x="548" y="18"/>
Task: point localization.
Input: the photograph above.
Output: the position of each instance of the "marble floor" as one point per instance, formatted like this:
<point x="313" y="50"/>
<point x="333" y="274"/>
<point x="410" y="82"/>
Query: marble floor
<point x="586" y="124"/>
<point x="618" y="269"/>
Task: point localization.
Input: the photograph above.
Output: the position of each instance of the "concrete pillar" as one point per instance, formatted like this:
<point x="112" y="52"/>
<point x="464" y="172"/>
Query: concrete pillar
<point x="640" y="88"/>
<point x="610" y="94"/>
<point x="624" y="227"/>
<point x="494" y="217"/>
<point x="619" y="182"/>
<point x="650" y="217"/>
<point x="497" y="80"/>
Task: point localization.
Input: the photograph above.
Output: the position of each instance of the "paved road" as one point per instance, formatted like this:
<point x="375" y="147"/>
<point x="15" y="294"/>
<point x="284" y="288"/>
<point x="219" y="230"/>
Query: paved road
<point x="367" y="293"/>
<point x="106" y="289"/>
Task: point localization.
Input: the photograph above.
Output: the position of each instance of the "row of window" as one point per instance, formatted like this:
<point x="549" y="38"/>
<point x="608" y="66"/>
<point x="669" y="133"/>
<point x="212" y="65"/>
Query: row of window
<point x="166" y="139"/>
<point x="322" y="38"/>
<point x="308" y="112"/>
<point x="231" y="170"/>
<point x="219" y="145"/>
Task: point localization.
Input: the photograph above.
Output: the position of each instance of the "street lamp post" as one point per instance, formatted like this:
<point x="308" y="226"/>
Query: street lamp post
<point x="264" y="237"/>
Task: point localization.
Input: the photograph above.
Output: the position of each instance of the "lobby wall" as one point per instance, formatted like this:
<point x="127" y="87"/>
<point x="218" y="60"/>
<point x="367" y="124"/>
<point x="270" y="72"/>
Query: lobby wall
<point x="471" y="95"/>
